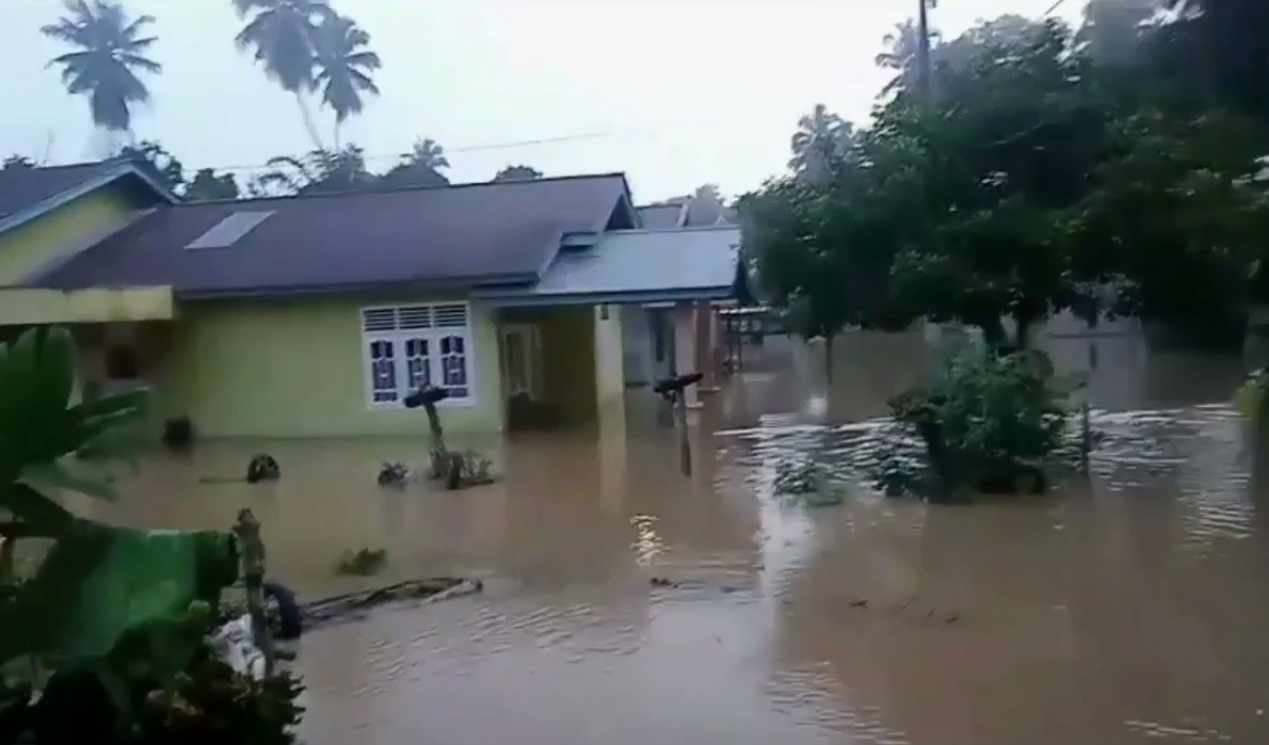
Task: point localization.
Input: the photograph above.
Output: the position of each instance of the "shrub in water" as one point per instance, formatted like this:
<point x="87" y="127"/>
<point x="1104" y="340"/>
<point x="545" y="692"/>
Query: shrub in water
<point x="988" y="419"/>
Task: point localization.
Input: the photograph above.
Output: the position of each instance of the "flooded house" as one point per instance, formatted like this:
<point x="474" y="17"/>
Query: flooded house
<point x="314" y="316"/>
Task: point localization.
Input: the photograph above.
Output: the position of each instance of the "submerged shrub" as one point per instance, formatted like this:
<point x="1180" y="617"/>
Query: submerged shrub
<point x="988" y="419"/>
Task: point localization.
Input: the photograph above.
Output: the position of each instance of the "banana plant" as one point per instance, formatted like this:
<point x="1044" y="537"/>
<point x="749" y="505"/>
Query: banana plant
<point x="41" y="425"/>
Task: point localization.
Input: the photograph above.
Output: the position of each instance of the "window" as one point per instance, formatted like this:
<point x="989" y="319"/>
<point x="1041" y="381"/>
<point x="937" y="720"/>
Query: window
<point x="409" y="347"/>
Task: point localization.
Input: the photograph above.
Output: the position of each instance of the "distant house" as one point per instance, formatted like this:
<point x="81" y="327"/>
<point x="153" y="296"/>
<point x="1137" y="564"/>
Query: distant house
<point x="314" y="316"/>
<point x="649" y="332"/>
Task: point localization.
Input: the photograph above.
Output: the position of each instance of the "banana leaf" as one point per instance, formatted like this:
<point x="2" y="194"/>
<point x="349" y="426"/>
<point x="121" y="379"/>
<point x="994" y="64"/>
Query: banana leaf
<point x="120" y="598"/>
<point x="40" y="427"/>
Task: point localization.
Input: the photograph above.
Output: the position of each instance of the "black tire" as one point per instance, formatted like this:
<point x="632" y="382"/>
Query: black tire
<point x="290" y="617"/>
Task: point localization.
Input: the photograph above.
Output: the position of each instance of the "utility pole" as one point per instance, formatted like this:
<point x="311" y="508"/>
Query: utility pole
<point x="923" y="48"/>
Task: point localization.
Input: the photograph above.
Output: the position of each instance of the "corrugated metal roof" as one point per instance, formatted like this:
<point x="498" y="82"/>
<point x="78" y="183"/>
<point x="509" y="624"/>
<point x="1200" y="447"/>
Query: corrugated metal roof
<point x="641" y="266"/>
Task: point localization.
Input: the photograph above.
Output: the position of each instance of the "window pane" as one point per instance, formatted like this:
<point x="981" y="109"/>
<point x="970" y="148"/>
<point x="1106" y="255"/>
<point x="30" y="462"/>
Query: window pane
<point x="383" y="371"/>
<point x="418" y="370"/>
<point x="454" y="376"/>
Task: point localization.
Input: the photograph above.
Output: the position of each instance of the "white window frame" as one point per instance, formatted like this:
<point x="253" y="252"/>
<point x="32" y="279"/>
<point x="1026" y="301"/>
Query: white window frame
<point x="430" y="322"/>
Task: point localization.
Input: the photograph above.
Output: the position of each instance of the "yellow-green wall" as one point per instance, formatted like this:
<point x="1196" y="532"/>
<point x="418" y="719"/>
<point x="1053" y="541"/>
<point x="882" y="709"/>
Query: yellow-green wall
<point x="568" y="361"/>
<point x="610" y="375"/>
<point x="64" y="231"/>
<point x="296" y="368"/>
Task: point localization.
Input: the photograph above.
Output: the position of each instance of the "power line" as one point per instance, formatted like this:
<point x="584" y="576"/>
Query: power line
<point x="448" y="151"/>
<point x="1054" y="7"/>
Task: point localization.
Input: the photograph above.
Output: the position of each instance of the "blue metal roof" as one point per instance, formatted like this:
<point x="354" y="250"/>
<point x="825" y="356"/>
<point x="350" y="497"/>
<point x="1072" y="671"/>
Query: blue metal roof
<point x="638" y="266"/>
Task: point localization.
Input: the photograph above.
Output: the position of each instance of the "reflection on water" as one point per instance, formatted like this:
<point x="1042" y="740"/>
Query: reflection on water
<point x="1130" y="609"/>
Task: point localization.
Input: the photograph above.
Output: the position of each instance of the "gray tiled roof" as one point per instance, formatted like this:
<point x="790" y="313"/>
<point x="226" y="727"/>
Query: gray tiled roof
<point x="466" y="235"/>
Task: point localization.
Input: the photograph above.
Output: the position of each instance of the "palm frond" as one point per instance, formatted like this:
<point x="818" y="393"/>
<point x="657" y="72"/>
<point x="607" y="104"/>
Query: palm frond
<point x="141" y="63"/>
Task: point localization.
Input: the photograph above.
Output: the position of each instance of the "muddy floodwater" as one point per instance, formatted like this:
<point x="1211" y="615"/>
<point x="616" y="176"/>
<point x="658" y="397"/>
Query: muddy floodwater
<point x="1132" y="609"/>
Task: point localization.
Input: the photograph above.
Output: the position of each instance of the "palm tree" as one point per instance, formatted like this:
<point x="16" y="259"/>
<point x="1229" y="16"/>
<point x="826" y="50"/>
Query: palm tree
<point x="318" y="171"/>
<point x="110" y="50"/>
<point x="903" y="46"/>
<point x="282" y="33"/>
<point x="424" y="165"/>
<point x="344" y="67"/>
<point x="426" y="153"/>
<point x="821" y="136"/>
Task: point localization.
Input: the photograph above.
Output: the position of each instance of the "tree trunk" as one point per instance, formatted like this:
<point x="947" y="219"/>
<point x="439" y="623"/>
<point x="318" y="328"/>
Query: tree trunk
<point x="307" y="116"/>
<point x="1023" y="325"/>
<point x="994" y="333"/>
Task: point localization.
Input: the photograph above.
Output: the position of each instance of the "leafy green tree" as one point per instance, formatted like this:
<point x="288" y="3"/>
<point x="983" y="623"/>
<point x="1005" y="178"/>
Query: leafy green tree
<point x="207" y="185"/>
<point x="518" y="173"/>
<point x="1179" y="210"/>
<point x="281" y="34"/>
<point x="945" y="211"/>
<point x="1009" y="152"/>
<point x="1114" y="29"/>
<point x="1216" y="49"/>
<point x="345" y="67"/>
<point x="110" y="49"/>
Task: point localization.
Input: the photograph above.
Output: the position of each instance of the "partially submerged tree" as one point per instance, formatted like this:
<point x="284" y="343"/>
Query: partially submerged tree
<point x="1180" y="210"/>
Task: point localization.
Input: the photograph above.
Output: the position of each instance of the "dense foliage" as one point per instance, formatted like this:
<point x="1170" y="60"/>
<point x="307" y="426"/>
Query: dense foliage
<point x="1036" y="177"/>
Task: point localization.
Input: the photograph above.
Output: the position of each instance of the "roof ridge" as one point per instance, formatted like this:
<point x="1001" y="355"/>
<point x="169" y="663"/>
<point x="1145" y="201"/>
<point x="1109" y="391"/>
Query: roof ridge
<point x="677" y="229"/>
<point x="409" y="189"/>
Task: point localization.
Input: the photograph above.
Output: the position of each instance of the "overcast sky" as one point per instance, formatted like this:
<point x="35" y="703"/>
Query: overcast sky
<point x="683" y="92"/>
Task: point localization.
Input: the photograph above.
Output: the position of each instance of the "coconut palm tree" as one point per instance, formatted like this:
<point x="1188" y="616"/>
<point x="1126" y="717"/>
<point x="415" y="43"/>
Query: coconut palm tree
<point x="903" y="45"/>
<point x="344" y="67"/>
<point x="282" y="35"/>
<point x="423" y="165"/>
<point x="319" y="171"/>
<point x="426" y="153"/>
<point x="820" y="136"/>
<point x="110" y="51"/>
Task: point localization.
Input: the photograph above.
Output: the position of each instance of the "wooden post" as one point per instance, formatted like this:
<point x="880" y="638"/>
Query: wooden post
<point x="251" y="558"/>
<point x="685" y="441"/>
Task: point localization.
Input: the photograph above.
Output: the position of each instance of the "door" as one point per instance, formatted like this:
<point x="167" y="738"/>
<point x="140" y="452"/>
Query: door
<point x="521" y="350"/>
